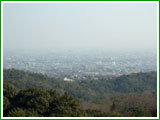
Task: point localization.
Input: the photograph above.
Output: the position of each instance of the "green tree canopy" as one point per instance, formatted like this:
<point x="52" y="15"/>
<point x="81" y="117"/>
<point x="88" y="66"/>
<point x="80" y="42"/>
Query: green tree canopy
<point x="33" y="98"/>
<point x="19" y="112"/>
<point x="8" y="90"/>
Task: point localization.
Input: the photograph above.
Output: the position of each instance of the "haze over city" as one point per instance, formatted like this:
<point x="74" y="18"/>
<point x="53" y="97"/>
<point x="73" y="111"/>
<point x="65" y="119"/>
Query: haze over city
<point x="80" y="59"/>
<point x="104" y="26"/>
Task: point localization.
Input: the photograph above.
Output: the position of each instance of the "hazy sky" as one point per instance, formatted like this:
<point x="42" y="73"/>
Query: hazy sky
<point x="101" y="26"/>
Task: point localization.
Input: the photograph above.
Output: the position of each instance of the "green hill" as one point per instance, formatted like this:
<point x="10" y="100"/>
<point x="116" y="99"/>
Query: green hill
<point x="85" y="89"/>
<point x="34" y="94"/>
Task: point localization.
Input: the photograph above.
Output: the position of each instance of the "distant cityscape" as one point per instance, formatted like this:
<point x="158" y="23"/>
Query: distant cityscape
<point x="71" y="66"/>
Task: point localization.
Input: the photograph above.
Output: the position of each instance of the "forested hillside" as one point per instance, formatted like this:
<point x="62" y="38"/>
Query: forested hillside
<point x="85" y="89"/>
<point x="33" y="94"/>
<point x="38" y="102"/>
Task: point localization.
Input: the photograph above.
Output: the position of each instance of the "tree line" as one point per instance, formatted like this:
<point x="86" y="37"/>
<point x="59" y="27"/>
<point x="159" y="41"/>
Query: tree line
<point x="85" y="90"/>
<point x="27" y="94"/>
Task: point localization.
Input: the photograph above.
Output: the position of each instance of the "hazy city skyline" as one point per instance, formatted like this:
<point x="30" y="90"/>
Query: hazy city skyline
<point x="85" y="59"/>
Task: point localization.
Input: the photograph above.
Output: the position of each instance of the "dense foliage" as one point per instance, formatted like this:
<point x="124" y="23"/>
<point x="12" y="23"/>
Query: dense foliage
<point x="36" y="102"/>
<point x="94" y="90"/>
<point x="36" y="95"/>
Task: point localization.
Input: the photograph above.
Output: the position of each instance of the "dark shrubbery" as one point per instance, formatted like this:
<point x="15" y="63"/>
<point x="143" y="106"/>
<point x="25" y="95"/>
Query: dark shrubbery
<point x="129" y="95"/>
<point x="33" y="102"/>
